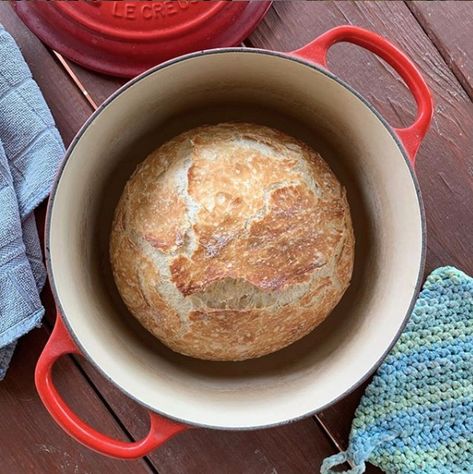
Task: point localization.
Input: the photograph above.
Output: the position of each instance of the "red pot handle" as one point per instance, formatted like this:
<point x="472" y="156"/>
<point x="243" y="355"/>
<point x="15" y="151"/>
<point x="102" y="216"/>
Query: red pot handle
<point x="316" y="51"/>
<point x="59" y="344"/>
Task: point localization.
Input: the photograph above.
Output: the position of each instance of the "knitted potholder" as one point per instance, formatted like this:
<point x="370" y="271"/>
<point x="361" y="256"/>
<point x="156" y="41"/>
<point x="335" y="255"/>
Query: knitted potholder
<point x="416" y="416"/>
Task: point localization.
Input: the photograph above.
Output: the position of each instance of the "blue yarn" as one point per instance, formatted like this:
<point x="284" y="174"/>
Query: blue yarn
<point x="416" y="416"/>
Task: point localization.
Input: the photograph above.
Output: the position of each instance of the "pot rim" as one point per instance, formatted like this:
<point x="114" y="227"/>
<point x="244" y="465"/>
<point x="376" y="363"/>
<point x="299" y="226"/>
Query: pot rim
<point x="121" y="90"/>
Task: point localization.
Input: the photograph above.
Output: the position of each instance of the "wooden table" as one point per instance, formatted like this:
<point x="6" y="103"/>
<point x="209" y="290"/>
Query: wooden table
<point x="437" y="36"/>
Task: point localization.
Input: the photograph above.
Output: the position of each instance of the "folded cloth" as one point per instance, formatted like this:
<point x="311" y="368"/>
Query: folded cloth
<point x="30" y="152"/>
<point x="416" y="416"/>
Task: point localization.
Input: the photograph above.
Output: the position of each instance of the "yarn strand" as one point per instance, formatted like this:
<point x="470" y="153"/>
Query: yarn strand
<point x="338" y="460"/>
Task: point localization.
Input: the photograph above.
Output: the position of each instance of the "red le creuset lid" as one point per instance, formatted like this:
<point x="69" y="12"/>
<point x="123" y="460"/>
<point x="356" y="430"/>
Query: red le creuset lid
<point x="124" y="38"/>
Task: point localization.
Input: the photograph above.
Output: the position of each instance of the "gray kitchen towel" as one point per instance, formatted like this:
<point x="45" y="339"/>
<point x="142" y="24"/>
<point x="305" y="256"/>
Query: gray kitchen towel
<point x="30" y="152"/>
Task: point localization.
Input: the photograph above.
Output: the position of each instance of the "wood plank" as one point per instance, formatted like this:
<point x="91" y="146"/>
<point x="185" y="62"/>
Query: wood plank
<point x="30" y="440"/>
<point x="448" y="24"/>
<point x="200" y="450"/>
<point x="70" y="111"/>
<point x="98" y="86"/>
<point x="445" y="161"/>
<point x="293" y="448"/>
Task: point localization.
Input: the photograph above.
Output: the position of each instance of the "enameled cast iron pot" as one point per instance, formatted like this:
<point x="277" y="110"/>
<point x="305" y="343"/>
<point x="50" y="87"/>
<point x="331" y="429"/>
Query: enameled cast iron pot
<point x="296" y="93"/>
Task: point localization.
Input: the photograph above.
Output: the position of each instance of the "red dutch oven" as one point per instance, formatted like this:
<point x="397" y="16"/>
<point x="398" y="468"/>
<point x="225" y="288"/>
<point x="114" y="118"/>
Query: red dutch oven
<point x="296" y="93"/>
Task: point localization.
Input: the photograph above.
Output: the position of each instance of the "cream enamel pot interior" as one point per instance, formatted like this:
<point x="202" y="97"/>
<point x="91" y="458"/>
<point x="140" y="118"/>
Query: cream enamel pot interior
<point x="293" y="92"/>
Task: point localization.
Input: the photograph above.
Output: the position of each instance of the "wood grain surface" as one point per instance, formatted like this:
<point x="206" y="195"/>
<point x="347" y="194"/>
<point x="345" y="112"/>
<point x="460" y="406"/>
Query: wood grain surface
<point x="252" y="452"/>
<point x="436" y="36"/>
<point x="30" y="441"/>
<point x="449" y="25"/>
<point x="294" y="448"/>
<point x="445" y="160"/>
<point x="98" y="86"/>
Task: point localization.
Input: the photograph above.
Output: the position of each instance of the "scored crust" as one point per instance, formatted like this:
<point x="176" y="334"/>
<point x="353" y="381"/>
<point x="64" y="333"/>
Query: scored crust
<point x="232" y="241"/>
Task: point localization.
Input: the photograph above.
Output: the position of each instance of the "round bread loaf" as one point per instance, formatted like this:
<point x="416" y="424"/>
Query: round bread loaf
<point x="232" y="241"/>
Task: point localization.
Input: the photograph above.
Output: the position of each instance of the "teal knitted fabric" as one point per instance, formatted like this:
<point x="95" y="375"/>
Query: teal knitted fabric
<point x="416" y="416"/>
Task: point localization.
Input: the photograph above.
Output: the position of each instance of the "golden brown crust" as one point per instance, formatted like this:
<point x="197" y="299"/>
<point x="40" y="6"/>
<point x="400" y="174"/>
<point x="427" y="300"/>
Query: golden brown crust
<point x="232" y="241"/>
